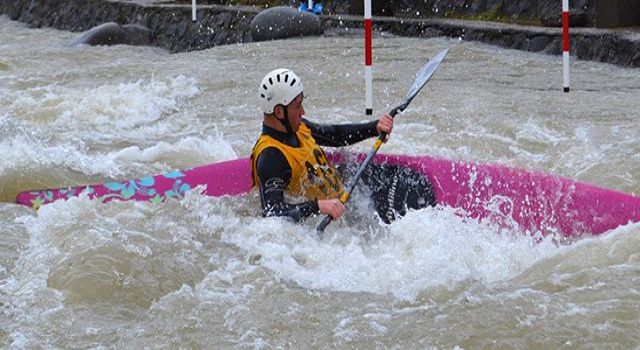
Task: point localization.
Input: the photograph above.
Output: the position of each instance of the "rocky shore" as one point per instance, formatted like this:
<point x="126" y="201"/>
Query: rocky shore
<point x="171" y="27"/>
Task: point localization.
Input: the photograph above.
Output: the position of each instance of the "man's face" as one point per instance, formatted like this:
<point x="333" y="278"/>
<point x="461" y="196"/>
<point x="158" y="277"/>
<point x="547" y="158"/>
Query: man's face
<point x="295" y="111"/>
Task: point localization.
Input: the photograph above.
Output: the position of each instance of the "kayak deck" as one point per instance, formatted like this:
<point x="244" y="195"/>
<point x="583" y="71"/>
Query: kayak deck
<point x="529" y="201"/>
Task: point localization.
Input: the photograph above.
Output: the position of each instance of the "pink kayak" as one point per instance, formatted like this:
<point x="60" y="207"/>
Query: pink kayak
<point x="529" y="201"/>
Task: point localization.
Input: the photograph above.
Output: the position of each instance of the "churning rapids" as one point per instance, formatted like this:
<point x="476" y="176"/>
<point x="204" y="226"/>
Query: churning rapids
<point x="209" y="272"/>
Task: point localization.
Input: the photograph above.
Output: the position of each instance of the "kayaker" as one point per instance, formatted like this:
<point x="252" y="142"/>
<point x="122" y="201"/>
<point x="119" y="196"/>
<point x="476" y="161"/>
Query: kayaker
<point x="287" y="158"/>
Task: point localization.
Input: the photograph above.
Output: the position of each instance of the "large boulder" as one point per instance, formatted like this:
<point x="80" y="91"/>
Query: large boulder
<point x="113" y="34"/>
<point x="284" y="22"/>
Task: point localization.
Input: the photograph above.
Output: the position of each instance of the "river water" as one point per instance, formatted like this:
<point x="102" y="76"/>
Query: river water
<point x="210" y="273"/>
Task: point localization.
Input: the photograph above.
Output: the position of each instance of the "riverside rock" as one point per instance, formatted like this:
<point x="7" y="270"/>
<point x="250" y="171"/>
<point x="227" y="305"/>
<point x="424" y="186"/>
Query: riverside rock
<point x="284" y="22"/>
<point x="112" y="33"/>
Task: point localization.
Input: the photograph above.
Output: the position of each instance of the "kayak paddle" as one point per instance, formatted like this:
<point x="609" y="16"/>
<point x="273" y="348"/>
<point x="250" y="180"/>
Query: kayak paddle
<point x="420" y="81"/>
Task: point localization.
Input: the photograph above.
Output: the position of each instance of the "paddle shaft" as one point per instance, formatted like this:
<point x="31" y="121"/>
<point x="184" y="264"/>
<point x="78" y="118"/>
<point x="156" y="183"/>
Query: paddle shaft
<point x="344" y="197"/>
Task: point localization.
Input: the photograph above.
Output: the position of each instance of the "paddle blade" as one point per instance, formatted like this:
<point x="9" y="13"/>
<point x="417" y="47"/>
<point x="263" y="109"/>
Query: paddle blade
<point x="424" y="75"/>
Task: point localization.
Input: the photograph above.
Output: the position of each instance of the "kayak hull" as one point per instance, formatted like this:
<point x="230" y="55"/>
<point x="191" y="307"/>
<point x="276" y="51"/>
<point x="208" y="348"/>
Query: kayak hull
<point x="531" y="202"/>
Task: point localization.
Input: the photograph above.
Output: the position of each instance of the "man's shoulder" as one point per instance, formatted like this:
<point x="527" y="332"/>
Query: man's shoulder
<point x="270" y="155"/>
<point x="270" y="159"/>
<point x="271" y="151"/>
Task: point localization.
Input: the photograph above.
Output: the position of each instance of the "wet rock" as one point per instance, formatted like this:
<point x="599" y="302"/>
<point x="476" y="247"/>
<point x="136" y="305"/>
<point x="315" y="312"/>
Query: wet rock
<point x="539" y="43"/>
<point x="284" y="22"/>
<point x="112" y="33"/>
<point x="577" y="18"/>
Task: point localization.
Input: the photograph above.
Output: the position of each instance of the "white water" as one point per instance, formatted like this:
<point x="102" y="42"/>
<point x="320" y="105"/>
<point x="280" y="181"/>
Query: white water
<point x="209" y="272"/>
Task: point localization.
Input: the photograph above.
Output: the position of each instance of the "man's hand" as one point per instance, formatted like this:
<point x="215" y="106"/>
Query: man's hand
<point x="332" y="207"/>
<point x="385" y="125"/>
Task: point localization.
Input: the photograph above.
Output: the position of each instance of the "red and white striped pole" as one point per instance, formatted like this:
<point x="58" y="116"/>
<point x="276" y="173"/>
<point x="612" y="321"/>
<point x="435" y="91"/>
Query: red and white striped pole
<point x="368" y="59"/>
<point x="565" y="44"/>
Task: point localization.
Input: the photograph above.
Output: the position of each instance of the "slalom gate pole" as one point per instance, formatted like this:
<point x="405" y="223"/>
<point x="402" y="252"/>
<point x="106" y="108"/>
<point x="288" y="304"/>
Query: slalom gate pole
<point x="193" y="10"/>
<point x="565" y="44"/>
<point x="368" y="59"/>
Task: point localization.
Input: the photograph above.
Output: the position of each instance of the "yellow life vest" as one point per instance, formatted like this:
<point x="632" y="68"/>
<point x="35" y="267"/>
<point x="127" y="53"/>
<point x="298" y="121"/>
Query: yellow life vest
<point x="312" y="176"/>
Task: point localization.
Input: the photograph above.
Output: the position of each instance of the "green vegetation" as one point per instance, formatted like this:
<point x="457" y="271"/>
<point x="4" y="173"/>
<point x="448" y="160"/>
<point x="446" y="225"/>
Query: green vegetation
<point x="498" y="17"/>
<point x="496" y="14"/>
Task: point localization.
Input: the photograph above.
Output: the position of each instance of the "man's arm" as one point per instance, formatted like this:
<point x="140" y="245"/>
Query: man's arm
<point x="274" y="174"/>
<point x="342" y="134"/>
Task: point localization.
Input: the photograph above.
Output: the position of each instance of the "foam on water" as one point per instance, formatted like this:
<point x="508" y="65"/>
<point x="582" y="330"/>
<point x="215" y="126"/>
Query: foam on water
<point x="207" y="257"/>
<point x="115" y="107"/>
<point x="30" y="163"/>
<point x="425" y="249"/>
<point x="25" y="153"/>
<point x="186" y="152"/>
<point x="81" y="251"/>
<point x="86" y="118"/>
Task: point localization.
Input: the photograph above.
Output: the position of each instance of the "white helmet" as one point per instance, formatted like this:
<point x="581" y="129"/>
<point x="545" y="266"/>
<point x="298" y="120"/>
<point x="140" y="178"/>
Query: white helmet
<point x="279" y="87"/>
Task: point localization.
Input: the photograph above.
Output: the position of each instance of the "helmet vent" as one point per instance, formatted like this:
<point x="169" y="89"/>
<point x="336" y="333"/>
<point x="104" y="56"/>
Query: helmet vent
<point x="293" y="81"/>
<point x="286" y="77"/>
<point x="262" y="95"/>
<point x="264" y="86"/>
<point x="270" y="81"/>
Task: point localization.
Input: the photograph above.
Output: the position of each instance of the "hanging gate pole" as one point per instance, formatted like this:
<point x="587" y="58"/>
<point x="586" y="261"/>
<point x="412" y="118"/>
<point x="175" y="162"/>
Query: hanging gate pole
<point x="368" y="59"/>
<point x="565" y="44"/>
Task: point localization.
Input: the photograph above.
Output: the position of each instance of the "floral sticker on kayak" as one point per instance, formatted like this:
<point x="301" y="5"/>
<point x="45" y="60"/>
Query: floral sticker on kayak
<point x="154" y="189"/>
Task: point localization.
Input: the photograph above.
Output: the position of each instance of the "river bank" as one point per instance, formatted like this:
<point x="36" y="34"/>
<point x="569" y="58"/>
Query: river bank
<point x="172" y="28"/>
